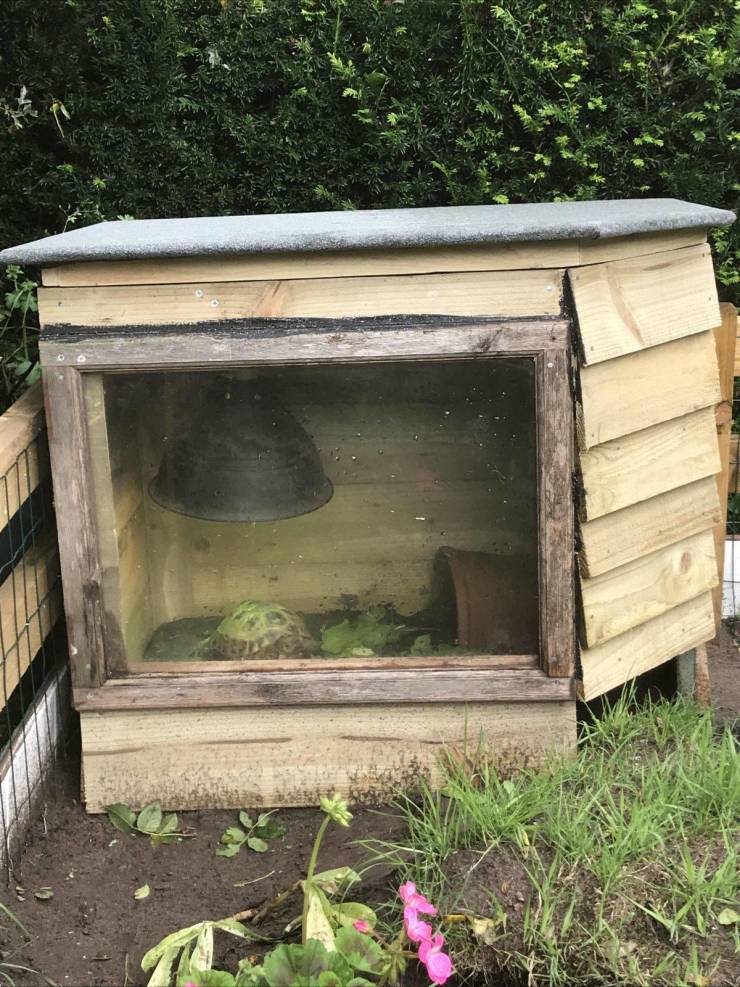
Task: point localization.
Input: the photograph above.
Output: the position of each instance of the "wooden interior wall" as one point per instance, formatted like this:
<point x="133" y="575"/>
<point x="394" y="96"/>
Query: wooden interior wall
<point x="648" y="455"/>
<point x="116" y="441"/>
<point x="407" y="480"/>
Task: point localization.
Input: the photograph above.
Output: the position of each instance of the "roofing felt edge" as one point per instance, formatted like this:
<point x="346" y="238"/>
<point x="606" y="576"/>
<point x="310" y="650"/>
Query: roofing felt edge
<point x="451" y="226"/>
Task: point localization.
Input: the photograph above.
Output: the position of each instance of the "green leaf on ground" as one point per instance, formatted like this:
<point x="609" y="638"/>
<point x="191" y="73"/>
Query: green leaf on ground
<point x="150" y="818"/>
<point x="254" y="834"/>
<point x="228" y="849"/>
<point x="123" y="818"/>
<point x="728" y="916"/>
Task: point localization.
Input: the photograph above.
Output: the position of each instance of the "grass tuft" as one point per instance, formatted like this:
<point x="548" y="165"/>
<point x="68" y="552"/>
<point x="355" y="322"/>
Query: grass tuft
<point x="614" y="866"/>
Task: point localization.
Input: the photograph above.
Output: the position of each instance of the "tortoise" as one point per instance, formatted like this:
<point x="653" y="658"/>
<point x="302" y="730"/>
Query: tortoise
<point x="255" y="631"/>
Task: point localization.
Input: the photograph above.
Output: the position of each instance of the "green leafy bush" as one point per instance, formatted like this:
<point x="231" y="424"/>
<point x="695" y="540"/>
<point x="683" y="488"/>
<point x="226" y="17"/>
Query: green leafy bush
<point x="197" y="107"/>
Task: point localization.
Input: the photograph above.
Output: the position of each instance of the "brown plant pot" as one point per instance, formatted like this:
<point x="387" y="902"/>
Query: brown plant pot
<point x="497" y="601"/>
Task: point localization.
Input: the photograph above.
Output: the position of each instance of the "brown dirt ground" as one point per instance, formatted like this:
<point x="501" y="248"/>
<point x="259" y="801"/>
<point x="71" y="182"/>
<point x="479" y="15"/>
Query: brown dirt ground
<point x="724" y="676"/>
<point x="93" y="932"/>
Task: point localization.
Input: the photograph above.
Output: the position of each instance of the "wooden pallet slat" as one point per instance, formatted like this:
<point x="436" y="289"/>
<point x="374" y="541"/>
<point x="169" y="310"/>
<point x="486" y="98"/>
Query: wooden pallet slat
<point x="630" y="305"/>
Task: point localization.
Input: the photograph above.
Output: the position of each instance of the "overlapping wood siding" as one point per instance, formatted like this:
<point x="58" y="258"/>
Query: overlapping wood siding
<point x="648" y="385"/>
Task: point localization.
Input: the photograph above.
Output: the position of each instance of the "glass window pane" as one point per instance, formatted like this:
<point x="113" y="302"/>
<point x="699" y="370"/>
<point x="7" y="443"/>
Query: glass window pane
<point x="344" y="513"/>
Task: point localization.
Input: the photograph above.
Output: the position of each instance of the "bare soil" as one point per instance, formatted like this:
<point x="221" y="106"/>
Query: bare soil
<point x="93" y="932"/>
<point x="724" y="676"/>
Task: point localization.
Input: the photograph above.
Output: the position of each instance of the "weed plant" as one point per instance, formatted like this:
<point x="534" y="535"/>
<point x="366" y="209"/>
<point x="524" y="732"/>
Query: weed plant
<point x="624" y="858"/>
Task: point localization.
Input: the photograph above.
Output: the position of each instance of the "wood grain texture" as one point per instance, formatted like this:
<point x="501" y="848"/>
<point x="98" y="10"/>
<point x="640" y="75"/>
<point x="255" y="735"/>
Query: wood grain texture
<point x="292" y="757"/>
<point x="366" y="263"/>
<point x="77" y="531"/>
<point x="375" y="541"/>
<point x="30" y="605"/>
<point x="557" y="560"/>
<point x="324" y="664"/>
<point x="643" y="389"/>
<point x="638" y="467"/>
<point x="20" y="425"/>
<point x="290" y="341"/>
<point x="615" y="662"/>
<point x="510" y="293"/>
<point x="629" y="305"/>
<point x="734" y="457"/>
<point x="638" y="591"/>
<point x="702" y="681"/>
<point x="120" y="517"/>
<point x="628" y="534"/>
<point x="321" y="688"/>
<point x="724" y="338"/>
<point x="24" y="458"/>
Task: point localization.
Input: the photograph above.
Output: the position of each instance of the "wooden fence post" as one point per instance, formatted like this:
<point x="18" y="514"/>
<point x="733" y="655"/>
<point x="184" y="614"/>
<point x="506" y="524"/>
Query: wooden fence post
<point x="724" y="338"/>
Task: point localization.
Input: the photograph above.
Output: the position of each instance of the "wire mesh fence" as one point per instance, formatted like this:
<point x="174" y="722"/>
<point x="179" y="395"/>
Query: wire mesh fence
<point x="33" y="687"/>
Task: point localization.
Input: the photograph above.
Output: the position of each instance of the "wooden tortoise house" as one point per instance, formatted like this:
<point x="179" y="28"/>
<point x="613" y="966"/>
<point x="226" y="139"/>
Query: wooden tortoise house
<point x="336" y="489"/>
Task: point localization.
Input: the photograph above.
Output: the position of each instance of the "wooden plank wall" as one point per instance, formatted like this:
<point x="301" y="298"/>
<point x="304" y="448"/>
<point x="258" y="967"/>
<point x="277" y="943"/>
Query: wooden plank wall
<point x="648" y="456"/>
<point x="30" y="588"/>
<point x="291" y="756"/>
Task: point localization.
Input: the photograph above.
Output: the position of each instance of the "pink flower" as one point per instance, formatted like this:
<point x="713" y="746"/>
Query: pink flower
<point x="411" y="898"/>
<point x="416" y="929"/>
<point x="361" y="925"/>
<point x="438" y="964"/>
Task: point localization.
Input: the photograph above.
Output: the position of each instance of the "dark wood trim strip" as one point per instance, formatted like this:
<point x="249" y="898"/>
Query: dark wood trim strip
<point x="556" y="517"/>
<point x="324" y="689"/>
<point x="413" y="340"/>
<point x="77" y="530"/>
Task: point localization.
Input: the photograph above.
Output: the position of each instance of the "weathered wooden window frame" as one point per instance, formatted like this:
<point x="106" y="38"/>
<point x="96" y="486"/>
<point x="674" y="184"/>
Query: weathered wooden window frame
<point x="71" y="352"/>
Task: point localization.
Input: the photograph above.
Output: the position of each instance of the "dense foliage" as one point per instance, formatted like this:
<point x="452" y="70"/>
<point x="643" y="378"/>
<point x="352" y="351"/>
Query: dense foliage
<point x="195" y="107"/>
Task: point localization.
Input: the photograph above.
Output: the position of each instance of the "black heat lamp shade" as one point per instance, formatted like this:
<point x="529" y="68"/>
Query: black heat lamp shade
<point x="244" y="458"/>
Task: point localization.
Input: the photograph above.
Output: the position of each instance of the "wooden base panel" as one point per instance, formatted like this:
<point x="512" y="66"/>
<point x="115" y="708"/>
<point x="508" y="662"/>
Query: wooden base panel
<point x="250" y="757"/>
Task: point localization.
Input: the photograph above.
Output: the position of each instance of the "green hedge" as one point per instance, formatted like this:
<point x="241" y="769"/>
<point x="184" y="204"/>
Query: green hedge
<point x="192" y="107"/>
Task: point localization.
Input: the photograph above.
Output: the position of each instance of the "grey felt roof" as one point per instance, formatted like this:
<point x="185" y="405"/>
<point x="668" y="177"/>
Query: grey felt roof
<point x="372" y="228"/>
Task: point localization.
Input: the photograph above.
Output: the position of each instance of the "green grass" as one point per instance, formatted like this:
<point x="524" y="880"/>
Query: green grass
<point x="627" y="854"/>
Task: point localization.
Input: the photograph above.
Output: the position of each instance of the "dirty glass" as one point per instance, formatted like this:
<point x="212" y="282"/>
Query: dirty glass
<point x="344" y="513"/>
